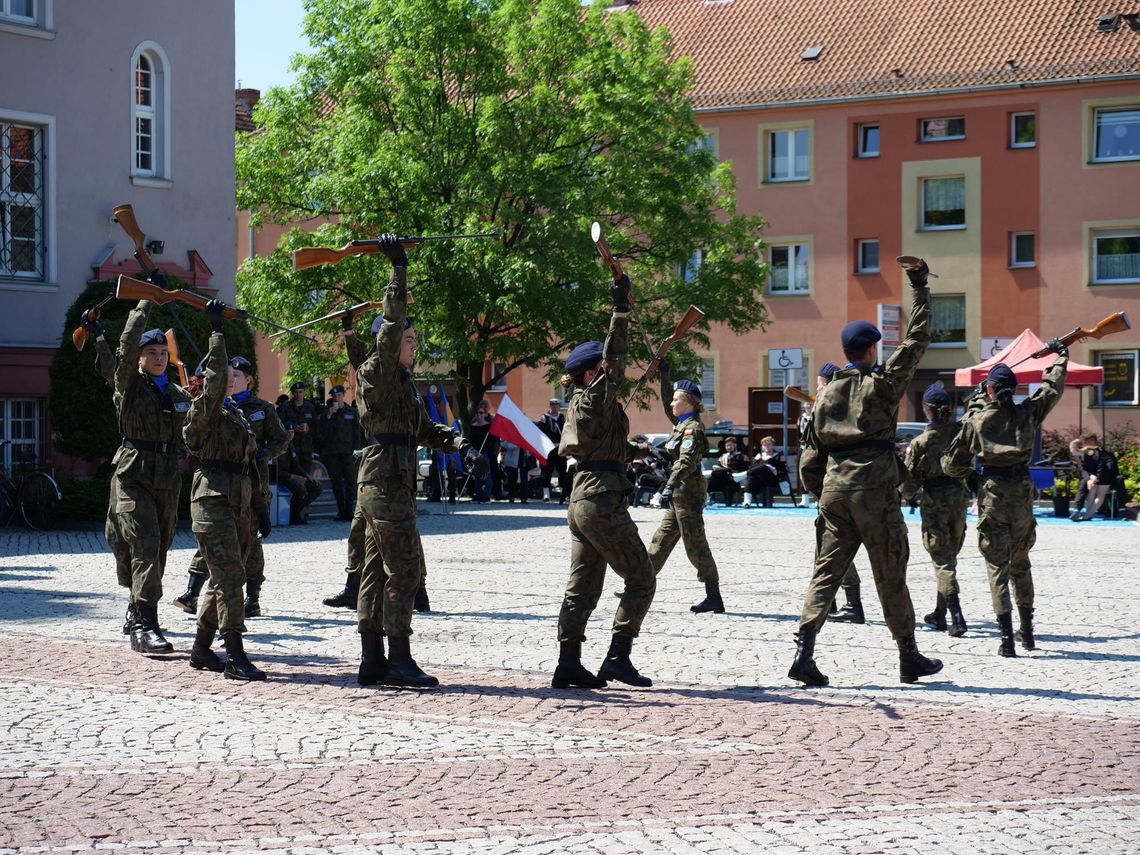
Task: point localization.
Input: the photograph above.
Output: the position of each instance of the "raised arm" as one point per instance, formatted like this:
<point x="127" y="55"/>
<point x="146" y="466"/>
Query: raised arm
<point x="667" y="390"/>
<point x="901" y="367"/>
<point x="127" y="368"/>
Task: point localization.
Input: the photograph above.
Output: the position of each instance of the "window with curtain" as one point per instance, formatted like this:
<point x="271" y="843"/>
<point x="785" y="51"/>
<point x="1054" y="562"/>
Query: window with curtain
<point x="1117" y="134"/>
<point x="788" y="154"/>
<point x="1116" y="257"/>
<point x="944" y="203"/>
<point x="789" y="268"/>
<point x="948" y="320"/>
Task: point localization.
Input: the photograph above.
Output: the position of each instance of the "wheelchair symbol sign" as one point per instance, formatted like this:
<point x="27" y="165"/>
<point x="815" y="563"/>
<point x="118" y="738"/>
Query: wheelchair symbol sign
<point x="786" y="358"/>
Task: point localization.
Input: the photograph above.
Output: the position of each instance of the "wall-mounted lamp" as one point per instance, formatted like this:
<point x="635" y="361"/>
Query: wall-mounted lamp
<point x="155" y="247"/>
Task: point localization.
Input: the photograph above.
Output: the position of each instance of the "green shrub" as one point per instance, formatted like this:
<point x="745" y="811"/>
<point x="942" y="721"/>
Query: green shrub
<point x="84" y="498"/>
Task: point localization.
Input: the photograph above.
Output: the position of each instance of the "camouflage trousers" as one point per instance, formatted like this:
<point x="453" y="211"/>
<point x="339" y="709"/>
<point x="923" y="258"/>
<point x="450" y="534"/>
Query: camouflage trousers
<point x="688" y="525"/>
<point x="222" y="529"/>
<point x="393" y="558"/>
<point x="601" y="533"/>
<point x="254" y="562"/>
<point x="1006" y="533"/>
<point x="357" y="536"/>
<point x="851" y="582"/>
<point x="944" y="531"/>
<point x="140" y="529"/>
<point x="870" y="518"/>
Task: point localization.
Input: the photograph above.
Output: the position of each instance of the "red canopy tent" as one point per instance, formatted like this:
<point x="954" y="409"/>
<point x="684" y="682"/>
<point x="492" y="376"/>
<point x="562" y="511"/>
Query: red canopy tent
<point x="1031" y="370"/>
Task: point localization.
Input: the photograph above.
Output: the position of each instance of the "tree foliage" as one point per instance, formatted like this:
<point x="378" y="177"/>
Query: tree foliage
<point x="530" y="117"/>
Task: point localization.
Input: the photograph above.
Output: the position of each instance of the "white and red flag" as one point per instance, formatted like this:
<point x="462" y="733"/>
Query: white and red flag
<point x="510" y="423"/>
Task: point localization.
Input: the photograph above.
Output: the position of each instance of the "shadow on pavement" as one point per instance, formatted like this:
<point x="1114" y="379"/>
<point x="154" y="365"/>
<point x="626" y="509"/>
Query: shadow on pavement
<point x="22" y="604"/>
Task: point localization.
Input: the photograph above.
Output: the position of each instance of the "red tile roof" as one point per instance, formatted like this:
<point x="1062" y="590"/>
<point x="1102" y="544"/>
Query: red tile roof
<point x="748" y="52"/>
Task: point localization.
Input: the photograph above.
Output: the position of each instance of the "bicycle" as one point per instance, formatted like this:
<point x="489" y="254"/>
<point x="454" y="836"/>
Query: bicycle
<point x="35" y="495"/>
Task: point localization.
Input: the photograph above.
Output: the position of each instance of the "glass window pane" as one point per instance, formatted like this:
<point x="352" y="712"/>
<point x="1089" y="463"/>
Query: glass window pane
<point x="19" y="8"/>
<point x="1118" y="134"/>
<point x="800" y="277"/>
<point x="869" y="255"/>
<point x="1024" y="129"/>
<point x="1024" y="248"/>
<point x="869" y="142"/>
<point x="801" y="152"/>
<point x="944" y="202"/>
<point x="943" y="129"/>
<point x="708" y="382"/>
<point x="778" y="269"/>
<point x="779" y="166"/>
<point x="143" y="82"/>
<point x="1117" y="258"/>
<point x="948" y="319"/>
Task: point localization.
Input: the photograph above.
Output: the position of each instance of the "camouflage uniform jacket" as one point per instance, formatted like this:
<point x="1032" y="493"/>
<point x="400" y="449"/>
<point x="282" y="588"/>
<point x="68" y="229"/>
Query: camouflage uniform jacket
<point x="339" y="430"/>
<point x="687" y="446"/>
<point x="390" y="404"/>
<point x="597" y="428"/>
<point x="850" y="442"/>
<point x="924" y="457"/>
<point x="271" y="436"/>
<point x="216" y="429"/>
<point x="1002" y="434"/>
<point x="144" y="412"/>
<point x="305" y="414"/>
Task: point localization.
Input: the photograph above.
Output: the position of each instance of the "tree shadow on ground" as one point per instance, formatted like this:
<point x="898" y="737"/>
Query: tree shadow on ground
<point x="22" y="604"/>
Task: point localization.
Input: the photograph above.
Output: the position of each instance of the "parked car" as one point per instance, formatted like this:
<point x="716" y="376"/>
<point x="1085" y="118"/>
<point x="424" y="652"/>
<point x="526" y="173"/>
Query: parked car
<point x="905" y="432"/>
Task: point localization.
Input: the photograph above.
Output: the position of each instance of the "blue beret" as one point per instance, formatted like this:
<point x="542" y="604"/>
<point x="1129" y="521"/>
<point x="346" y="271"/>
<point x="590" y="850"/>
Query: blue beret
<point x="857" y="336"/>
<point x="336" y="389"/>
<point x="298" y="386"/>
<point x="380" y="319"/>
<point x="688" y="387"/>
<point x="152" y="337"/>
<point x="1001" y="376"/>
<point x="827" y="370"/>
<point x="200" y="371"/>
<point x="586" y="355"/>
<point x="936" y="395"/>
<point x="242" y="364"/>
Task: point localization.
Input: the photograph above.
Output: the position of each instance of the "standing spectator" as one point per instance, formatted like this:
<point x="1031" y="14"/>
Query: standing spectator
<point x="302" y="414"/>
<point x="340" y="436"/>
<point x="516" y="469"/>
<point x="768" y="469"/>
<point x="478" y="434"/>
<point x="730" y="461"/>
<point x="551" y="424"/>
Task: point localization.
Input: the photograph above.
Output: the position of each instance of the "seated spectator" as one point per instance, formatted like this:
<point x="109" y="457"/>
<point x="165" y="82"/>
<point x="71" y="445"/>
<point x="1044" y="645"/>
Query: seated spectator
<point x="768" y="469"/>
<point x="1099" y="474"/>
<point x="731" y="460"/>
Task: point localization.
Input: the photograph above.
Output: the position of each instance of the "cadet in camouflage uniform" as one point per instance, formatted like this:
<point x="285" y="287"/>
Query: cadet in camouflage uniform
<point x="225" y="494"/>
<point x="339" y="432"/>
<point x="944" y="503"/>
<point x="395" y="420"/>
<point x="302" y="414"/>
<point x="1000" y="433"/>
<point x="601" y="531"/>
<point x="683" y="495"/>
<point x="146" y="482"/>
<point x="851" y="466"/>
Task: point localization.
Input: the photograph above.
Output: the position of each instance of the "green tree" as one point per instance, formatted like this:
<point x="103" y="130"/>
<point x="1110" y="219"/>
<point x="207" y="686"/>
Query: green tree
<point x="530" y="117"/>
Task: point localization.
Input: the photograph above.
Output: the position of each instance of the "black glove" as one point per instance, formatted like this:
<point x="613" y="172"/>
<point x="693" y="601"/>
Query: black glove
<point x="91" y="323"/>
<point x="1058" y="347"/>
<point x="666" y="497"/>
<point x="213" y="310"/>
<point x="346" y="320"/>
<point x="471" y="456"/>
<point x="619" y="291"/>
<point x="264" y="525"/>
<point x="918" y="276"/>
<point x="390" y="245"/>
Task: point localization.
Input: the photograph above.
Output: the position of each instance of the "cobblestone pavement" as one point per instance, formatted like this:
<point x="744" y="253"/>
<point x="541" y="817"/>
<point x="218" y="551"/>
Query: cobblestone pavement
<point x="104" y="749"/>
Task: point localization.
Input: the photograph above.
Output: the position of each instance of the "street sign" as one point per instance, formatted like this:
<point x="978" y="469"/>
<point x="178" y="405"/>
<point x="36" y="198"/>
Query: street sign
<point x="785" y="358"/>
<point x="992" y="347"/>
<point x="890" y="325"/>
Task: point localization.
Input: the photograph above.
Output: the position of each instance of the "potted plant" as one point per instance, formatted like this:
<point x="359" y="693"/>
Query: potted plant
<point x="1064" y="488"/>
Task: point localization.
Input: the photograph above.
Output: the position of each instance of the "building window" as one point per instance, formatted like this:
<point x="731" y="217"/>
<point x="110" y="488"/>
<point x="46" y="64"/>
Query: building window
<point x="941" y="130"/>
<point x="944" y="203"/>
<point x="1121" y="384"/>
<point x="1023" y="130"/>
<point x="1023" y="249"/>
<point x="20" y="422"/>
<point x="22" y="243"/>
<point x="789" y="153"/>
<point x="868" y="141"/>
<point x="708" y="382"/>
<point x="688" y="271"/>
<point x="150" y="112"/>
<point x="867" y="256"/>
<point x="1116" y="134"/>
<point x="1116" y="257"/>
<point x="789" y="268"/>
<point x="19" y="11"/>
<point x="948" y="320"/>
<point x="498" y="372"/>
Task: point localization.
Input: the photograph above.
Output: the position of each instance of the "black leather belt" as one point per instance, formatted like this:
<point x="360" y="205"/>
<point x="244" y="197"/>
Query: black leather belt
<point x="601" y="466"/>
<point x="404" y="439"/>
<point x="941" y="481"/>
<point x="150" y="445"/>
<point x="1005" y="471"/>
<point x="226" y="466"/>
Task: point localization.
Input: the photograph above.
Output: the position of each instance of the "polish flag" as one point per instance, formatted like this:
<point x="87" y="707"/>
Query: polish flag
<point x="511" y="424"/>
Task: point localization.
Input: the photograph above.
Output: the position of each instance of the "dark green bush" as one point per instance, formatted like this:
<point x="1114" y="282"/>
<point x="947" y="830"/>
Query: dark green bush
<point x="84" y="498"/>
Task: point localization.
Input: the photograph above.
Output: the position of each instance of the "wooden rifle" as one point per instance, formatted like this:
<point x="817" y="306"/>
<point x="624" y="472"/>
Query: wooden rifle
<point x="1114" y="323"/>
<point x="688" y="321"/>
<point x="312" y="256"/>
<point x="798" y="394"/>
<point x="335" y="316"/>
<point x="176" y="358"/>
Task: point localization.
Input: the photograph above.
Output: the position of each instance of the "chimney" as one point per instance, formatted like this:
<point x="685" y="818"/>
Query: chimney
<point x="247" y="98"/>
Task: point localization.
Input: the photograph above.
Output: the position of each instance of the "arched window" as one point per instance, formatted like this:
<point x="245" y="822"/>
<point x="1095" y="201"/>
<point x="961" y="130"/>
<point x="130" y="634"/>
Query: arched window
<point x="150" y="111"/>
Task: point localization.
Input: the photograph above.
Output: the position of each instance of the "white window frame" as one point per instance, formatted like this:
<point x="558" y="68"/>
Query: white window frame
<point x="1016" y="262"/>
<point x="6" y="13"/>
<point x="38" y="25"/>
<point x="925" y="137"/>
<point x="794" y="287"/>
<point x="6" y="419"/>
<point x="47" y="197"/>
<point x="861" y="149"/>
<point x="501" y="383"/>
<point x="687" y="272"/>
<point x="709" y="371"/>
<point x="159" y="113"/>
<point x="793" y="154"/>
<point x="922" y="225"/>
<point x="860" y="267"/>
<point x="1127" y="353"/>
<point x="1013" y="117"/>
<point x="1093" y="266"/>
<point x="949" y="344"/>
<point x="1097" y="112"/>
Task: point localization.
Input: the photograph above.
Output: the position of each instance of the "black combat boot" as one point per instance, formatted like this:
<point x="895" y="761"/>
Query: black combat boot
<point x="913" y="664"/>
<point x="421" y="603"/>
<point x="201" y="656"/>
<point x="853" y="611"/>
<point x="1005" y="624"/>
<point x="129" y="618"/>
<point x="188" y="602"/>
<point x="570" y="674"/>
<point x="712" y="601"/>
<point x="937" y="618"/>
<point x="373" y="665"/>
<point x="146" y="637"/>
<point x="834" y="608"/>
<point x="616" y="665"/>
<point x="957" y="619"/>
<point x="1025" y="630"/>
<point x="402" y="668"/>
<point x="804" y="668"/>
<point x="239" y="667"/>
<point x="252" y="605"/>
<point x="346" y="599"/>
